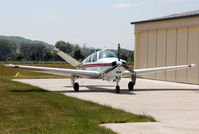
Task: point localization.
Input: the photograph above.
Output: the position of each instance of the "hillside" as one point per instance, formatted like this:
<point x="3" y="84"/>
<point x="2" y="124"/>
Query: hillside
<point x="19" y="40"/>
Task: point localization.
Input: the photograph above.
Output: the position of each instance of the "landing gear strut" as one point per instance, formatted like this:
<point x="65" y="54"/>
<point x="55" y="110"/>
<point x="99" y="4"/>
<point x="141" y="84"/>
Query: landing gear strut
<point x="132" y="82"/>
<point x="117" y="88"/>
<point x="75" y="84"/>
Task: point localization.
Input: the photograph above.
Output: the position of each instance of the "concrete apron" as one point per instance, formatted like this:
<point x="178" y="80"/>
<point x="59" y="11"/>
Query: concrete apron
<point x="174" y="105"/>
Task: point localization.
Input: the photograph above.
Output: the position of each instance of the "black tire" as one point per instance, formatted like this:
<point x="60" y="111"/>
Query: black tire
<point x="117" y="89"/>
<point x="131" y="86"/>
<point x="76" y="87"/>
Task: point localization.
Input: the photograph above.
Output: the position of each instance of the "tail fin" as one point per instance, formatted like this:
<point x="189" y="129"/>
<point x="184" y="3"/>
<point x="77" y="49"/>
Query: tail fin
<point x="67" y="57"/>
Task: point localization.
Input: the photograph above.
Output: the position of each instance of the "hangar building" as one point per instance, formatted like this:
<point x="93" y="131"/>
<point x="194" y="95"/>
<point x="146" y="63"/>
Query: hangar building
<point x="168" y="41"/>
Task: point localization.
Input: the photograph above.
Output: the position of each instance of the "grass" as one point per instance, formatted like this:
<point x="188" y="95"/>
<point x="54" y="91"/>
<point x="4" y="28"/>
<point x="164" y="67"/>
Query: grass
<point x="26" y="109"/>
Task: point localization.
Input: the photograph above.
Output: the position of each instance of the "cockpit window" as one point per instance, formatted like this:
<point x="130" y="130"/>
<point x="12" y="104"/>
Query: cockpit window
<point x="107" y="54"/>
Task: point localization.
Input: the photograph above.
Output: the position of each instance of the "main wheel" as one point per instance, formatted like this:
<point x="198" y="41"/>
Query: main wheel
<point x="76" y="87"/>
<point x="117" y="89"/>
<point x="131" y="86"/>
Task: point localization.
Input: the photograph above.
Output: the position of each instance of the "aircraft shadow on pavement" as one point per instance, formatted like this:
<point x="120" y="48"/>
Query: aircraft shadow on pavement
<point x="97" y="89"/>
<point x="93" y="85"/>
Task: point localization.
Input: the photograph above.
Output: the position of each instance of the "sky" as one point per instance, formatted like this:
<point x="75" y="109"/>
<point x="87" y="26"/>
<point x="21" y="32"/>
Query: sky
<point x="96" y="23"/>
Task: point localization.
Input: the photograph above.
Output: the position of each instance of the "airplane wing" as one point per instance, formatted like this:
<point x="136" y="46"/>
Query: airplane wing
<point x="158" y="69"/>
<point x="76" y="72"/>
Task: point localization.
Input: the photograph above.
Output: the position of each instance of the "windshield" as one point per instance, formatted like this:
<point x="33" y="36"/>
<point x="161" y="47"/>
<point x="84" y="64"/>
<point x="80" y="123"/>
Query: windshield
<point x="107" y="54"/>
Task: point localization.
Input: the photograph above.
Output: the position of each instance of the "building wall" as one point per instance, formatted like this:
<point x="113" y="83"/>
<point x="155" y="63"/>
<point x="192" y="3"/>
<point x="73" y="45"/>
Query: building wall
<point x="168" y="43"/>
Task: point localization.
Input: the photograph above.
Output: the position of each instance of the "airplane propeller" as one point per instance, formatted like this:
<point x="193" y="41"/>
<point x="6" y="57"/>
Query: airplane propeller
<point x="118" y="52"/>
<point x="115" y="64"/>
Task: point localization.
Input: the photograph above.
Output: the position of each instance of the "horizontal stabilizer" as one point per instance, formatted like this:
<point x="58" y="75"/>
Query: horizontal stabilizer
<point x="67" y="57"/>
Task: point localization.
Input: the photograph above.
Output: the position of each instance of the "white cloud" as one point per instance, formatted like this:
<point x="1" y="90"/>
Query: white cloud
<point x="122" y="5"/>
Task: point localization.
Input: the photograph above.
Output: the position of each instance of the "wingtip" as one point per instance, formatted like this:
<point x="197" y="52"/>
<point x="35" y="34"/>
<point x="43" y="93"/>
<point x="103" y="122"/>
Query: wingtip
<point x="8" y="65"/>
<point x="192" y="65"/>
<point x="11" y="65"/>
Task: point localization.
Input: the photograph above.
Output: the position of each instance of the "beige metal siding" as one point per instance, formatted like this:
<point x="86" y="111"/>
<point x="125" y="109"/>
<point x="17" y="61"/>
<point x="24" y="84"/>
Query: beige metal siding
<point x="193" y="54"/>
<point x="171" y="53"/>
<point x="181" y="53"/>
<point x="137" y="60"/>
<point x="161" y="53"/>
<point x="141" y="51"/>
<point x="169" y="43"/>
<point x="151" y="52"/>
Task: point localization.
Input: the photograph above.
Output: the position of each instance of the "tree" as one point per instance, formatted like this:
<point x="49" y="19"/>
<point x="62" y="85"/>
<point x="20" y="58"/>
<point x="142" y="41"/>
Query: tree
<point x="123" y="56"/>
<point x="47" y="55"/>
<point x="19" y="57"/>
<point x="7" y="49"/>
<point x="77" y="54"/>
<point x="131" y="57"/>
<point x="65" y="47"/>
<point x="28" y="49"/>
<point x="33" y="55"/>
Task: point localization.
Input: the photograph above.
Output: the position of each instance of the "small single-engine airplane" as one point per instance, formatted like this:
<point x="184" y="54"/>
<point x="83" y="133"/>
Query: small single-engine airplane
<point x="104" y="65"/>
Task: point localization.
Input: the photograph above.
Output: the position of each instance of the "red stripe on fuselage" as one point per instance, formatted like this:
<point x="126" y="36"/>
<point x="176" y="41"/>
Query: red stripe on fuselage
<point x="99" y="64"/>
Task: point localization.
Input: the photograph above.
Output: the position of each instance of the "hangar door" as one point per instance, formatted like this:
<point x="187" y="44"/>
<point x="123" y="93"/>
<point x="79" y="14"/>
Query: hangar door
<point x="169" y="47"/>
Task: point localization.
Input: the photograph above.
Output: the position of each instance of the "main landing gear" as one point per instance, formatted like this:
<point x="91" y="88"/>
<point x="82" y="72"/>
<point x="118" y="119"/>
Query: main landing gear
<point x="76" y="87"/>
<point x="132" y="82"/>
<point x="130" y="85"/>
<point x="75" y="84"/>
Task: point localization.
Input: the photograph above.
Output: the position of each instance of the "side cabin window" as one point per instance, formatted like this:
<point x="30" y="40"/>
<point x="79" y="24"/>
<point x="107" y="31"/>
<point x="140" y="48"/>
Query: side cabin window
<point x="94" y="57"/>
<point x="89" y="58"/>
<point x="107" y="54"/>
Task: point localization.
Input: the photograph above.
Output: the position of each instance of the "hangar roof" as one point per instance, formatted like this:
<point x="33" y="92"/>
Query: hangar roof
<point x="170" y="17"/>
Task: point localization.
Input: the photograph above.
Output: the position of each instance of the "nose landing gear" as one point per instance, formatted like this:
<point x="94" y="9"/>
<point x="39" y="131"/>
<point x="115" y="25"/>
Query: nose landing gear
<point x="117" y="88"/>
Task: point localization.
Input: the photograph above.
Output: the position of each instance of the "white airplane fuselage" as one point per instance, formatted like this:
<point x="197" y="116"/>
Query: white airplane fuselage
<point x="101" y="65"/>
<point x="96" y="62"/>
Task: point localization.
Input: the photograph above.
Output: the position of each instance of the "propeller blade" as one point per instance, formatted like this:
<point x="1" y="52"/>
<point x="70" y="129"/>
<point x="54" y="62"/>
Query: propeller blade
<point x="110" y="69"/>
<point x="127" y="68"/>
<point x="118" y="52"/>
